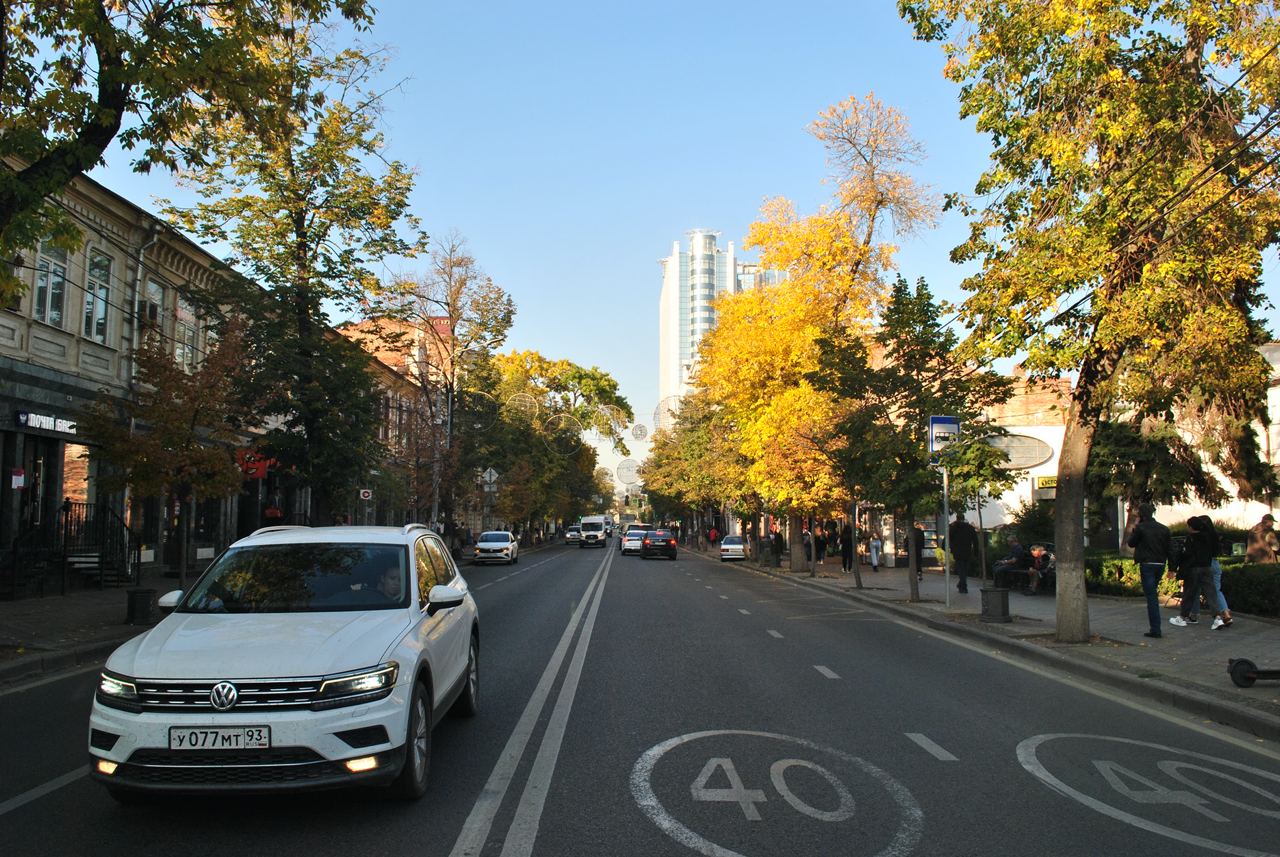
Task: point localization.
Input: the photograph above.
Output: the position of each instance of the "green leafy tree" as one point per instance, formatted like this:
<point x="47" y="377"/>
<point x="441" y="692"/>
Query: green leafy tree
<point x="880" y="445"/>
<point x="77" y="74"/>
<point x="176" y="438"/>
<point x="1148" y="461"/>
<point x="307" y="219"/>
<point x="1120" y="226"/>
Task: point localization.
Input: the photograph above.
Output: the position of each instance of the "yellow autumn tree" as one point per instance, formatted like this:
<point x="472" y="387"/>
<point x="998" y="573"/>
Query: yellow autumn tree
<point x="837" y="263"/>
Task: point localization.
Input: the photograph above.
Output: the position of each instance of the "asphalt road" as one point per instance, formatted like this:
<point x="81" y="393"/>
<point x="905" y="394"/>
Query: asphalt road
<point x="650" y="707"/>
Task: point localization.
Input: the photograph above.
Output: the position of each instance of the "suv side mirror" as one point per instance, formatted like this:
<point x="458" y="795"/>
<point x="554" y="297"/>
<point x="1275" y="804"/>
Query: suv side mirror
<point x="443" y="598"/>
<point x="169" y="600"/>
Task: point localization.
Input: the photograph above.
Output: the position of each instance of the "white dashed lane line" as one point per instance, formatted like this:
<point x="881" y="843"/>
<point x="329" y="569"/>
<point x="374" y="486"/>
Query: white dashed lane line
<point x="931" y="748"/>
<point x="826" y="672"/>
<point x="744" y="612"/>
<point x="724" y="597"/>
<point x="773" y="633"/>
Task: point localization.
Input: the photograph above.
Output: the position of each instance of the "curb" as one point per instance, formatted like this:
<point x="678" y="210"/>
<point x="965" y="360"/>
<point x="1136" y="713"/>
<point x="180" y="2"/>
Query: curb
<point x="1196" y="703"/>
<point x="40" y="663"/>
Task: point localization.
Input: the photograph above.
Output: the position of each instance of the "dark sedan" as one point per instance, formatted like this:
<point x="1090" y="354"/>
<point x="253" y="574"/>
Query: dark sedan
<point x="658" y="543"/>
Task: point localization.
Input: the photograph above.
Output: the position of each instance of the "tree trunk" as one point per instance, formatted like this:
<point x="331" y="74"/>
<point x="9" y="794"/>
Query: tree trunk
<point x="797" y="562"/>
<point x="1073" y="604"/>
<point x="913" y="566"/>
<point x="853" y="528"/>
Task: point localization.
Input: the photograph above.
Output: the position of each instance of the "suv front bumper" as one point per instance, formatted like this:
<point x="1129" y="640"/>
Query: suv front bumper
<point x="309" y="749"/>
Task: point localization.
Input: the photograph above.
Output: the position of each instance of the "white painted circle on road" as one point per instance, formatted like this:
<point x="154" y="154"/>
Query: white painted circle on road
<point x="905" y="838"/>
<point x="1028" y="757"/>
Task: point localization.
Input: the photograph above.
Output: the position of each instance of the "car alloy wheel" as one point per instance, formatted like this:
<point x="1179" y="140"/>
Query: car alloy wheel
<point x="469" y="700"/>
<point x="412" y="782"/>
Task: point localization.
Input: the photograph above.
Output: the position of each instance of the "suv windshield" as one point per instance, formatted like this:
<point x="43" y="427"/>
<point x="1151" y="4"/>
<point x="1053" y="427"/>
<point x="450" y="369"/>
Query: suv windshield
<point x="302" y="578"/>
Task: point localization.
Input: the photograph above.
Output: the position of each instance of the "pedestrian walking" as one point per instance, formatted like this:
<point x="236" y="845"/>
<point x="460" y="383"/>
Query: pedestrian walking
<point x="1263" y="545"/>
<point x="714" y="536"/>
<point x="1216" y="569"/>
<point x="819" y="545"/>
<point x="1197" y="574"/>
<point x="1150" y="543"/>
<point x="964" y="548"/>
<point x="873" y="548"/>
<point x="806" y="539"/>
<point x="776" y="545"/>
<point x="846" y="549"/>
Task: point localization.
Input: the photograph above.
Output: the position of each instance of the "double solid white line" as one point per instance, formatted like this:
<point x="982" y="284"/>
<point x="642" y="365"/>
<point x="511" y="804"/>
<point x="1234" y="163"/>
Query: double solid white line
<point x="524" y="827"/>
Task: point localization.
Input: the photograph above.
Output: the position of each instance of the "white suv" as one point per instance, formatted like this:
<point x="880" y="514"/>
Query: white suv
<point x="301" y="658"/>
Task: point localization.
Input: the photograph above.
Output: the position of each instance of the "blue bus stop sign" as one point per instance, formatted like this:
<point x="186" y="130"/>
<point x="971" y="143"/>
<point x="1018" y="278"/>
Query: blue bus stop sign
<point x="942" y="430"/>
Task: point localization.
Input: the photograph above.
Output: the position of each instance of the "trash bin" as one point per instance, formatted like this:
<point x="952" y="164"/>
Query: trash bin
<point x="142" y="607"/>
<point x="995" y="605"/>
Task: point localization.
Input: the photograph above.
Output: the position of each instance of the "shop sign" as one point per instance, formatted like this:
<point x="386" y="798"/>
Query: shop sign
<point x="17" y="478"/>
<point x="1046" y="482"/>
<point x="46" y="422"/>
<point x="252" y="465"/>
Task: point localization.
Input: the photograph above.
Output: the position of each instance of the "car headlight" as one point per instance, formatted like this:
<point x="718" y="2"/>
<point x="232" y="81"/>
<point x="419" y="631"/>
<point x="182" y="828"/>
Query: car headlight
<point x="117" y="691"/>
<point x="357" y="688"/>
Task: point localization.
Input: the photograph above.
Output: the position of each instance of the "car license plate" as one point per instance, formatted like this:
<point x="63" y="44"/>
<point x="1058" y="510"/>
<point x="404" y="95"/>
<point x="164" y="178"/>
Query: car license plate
<point x="219" y="737"/>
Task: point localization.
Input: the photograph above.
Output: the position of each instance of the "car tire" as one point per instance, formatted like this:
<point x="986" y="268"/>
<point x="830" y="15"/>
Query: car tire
<point x="411" y="784"/>
<point x="468" y="702"/>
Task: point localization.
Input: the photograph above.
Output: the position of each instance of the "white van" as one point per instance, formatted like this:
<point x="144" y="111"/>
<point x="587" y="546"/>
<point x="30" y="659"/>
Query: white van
<point x="593" y="532"/>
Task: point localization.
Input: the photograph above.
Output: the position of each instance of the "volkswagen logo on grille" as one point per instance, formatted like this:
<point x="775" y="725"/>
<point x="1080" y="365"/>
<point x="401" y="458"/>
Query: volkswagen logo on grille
<point x="223" y="695"/>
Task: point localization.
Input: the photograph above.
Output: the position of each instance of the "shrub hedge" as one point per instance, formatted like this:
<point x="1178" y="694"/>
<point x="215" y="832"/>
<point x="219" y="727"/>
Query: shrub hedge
<point x="1249" y="587"/>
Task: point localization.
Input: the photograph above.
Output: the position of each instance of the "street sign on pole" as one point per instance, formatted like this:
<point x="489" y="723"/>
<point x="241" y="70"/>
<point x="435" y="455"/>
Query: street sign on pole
<point x="366" y="494"/>
<point x="490" y="476"/>
<point x="942" y="430"/>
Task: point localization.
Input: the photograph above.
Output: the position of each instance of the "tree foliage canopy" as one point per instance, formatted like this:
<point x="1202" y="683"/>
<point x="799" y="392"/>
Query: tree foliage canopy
<point x="307" y="218"/>
<point x="77" y="74"/>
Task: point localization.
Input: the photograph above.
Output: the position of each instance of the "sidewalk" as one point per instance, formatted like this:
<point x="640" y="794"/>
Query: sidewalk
<point x="1185" y="669"/>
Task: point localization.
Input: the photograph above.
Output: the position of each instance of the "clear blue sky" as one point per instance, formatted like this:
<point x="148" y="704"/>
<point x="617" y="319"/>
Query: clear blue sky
<point x="571" y="143"/>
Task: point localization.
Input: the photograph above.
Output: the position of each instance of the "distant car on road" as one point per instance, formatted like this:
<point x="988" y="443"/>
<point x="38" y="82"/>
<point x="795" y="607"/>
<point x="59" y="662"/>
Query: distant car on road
<point x="302" y="658"/>
<point x="658" y="543"/>
<point x="497" y="546"/>
<point x="635" y="531"/>
<point x="573" y="535"/>
<point x="632" y="541"/>
<point x="732" y="547"/>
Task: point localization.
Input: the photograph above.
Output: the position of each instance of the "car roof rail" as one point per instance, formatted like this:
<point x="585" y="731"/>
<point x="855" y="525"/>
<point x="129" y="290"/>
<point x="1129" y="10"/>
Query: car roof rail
<point x="278" y="528"/>
<point x="409" y="528"/>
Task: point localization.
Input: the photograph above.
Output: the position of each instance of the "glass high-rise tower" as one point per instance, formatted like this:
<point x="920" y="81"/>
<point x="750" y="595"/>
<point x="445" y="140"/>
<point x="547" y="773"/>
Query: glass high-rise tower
<point x="692" y="279"/>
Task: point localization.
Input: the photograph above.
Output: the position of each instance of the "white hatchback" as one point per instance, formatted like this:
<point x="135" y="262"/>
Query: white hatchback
<point x="301" y="658"/>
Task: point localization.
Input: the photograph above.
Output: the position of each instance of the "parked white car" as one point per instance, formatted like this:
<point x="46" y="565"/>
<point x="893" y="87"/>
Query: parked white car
<point x="301" y="658"/>
<point x="497" y="546"/>
<point x="732" y="547"/>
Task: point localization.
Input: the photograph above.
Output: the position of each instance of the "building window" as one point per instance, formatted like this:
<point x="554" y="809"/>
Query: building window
<point x="151" y="305"/>
<point x="184" y="335"/>
<point x="51" y="284"/>
<point x="97" y="297"/>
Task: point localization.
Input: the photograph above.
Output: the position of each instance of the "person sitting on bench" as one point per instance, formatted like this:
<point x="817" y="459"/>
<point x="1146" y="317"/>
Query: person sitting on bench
<point x="1039" y="565"/>
<point x="1017" y="560"/>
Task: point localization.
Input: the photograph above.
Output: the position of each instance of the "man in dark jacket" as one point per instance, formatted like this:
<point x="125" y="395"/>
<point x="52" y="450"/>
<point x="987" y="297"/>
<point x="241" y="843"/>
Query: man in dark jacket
<point x="964" y="546"/>
<point x="1150" y="543"/>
